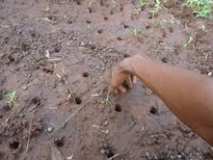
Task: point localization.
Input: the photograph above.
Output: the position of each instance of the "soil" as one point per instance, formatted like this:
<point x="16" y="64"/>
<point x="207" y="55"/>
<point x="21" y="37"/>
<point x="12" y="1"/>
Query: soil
<point x="55" y="55"/>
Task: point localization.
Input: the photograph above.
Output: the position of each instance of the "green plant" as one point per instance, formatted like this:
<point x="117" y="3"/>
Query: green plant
<point x="143" y="3"/>
<point x="203" y="8"/>
<point x="188" y="42"/>
<point x="157" y="8"/>
<point x="11" y="98"/>
<point x="136" y="32"/>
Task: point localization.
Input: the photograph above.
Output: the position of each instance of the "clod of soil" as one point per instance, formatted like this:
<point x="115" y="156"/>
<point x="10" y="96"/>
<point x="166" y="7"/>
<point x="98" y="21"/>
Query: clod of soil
<point x="14" y="145"/>
<point x="153" y="110"/>
<point x="78" y="100"/>
<point x="118" y="108"/>
<point x="59" y="142"/>
<point x="85" y="74"/>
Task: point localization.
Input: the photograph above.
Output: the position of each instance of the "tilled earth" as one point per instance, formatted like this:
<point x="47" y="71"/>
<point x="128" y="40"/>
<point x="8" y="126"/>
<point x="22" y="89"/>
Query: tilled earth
<point x="55" y="56"/>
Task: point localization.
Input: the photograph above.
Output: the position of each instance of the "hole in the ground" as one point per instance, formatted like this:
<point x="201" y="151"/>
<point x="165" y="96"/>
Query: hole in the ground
<point x="69" y="21"/>
<point x="88" y="22"/>
<point x="78" y="100"/>
<point x="121" y="8"/>
<point x="14" y="144"/>
<point x="119" y="39"/>
<point x="148" y="26"/>
<point x="164" y="60"/>
<point x="126" y="55"/>
<point x="100" y="31"/>
<point x="92" y="46"/>
<point x="108" y="151"/>
<point x="36" y="101"/>
<point x="25" y="47"/>
<point x="171" y="30"/>
<point x="59" y="142"/>
<point x="90" y="9"/>
<point x="153" y="110"/>
<point x="11" y="58"/>
<point x="106" y="18"/>
<point x="57" y="49"/>
<point x="118" y="108"/>
<point x="78" y="2"/>
<point x="85" y="74"/>
<point x="33" y="34"/>
<point x="52" y="18"/>
<point x="111" y="12"/>
<point x="126" y="26"/>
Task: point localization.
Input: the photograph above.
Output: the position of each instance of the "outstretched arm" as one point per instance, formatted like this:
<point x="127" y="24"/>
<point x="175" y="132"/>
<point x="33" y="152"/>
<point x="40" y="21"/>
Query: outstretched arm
<point x="188" y="94"/>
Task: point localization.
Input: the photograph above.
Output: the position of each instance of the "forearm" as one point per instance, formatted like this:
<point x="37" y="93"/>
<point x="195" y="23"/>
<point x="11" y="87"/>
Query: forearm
<point x="187" y="94"/>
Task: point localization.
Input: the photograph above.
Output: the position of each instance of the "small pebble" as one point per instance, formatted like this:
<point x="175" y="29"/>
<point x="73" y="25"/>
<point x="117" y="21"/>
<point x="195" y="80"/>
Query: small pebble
<point x="70" y="157"/>
<point x="49" y="129"/>
<point x="82" y="44"/>
<point x="210" y="74"/>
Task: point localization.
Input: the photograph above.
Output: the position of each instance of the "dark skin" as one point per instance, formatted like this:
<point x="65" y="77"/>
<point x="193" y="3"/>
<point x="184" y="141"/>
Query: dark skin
<point x="187" y="94"/>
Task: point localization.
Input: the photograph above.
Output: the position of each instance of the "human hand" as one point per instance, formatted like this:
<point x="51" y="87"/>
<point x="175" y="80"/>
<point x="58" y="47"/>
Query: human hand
<point x="123" y="76"/>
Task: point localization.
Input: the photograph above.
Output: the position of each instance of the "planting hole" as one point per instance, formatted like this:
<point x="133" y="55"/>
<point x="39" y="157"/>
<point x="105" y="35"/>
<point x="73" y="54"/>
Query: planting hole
<point x="153" y="110"/>
<point x="78" y="100"/>
<point x="85" y="74"/>
<point x="14" y="145"/>
<point x="118" y="108"/>
<point x="59" y="142"/>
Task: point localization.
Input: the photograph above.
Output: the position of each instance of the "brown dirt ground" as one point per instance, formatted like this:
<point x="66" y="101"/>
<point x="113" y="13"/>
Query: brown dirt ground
<point x="55" y="54"/>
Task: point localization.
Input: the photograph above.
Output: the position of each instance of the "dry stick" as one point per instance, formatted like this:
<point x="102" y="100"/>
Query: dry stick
<point x="116" y="155"/>
<point x="68" y="119"/>
<point x="29" y="133"/>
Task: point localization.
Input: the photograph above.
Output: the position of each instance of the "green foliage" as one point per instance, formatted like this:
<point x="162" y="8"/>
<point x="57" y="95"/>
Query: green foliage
<point x="143" y="3"/>
<point x="203" y="8"/>
<point x="157" y="8"/>
<point x="11" y="98"/>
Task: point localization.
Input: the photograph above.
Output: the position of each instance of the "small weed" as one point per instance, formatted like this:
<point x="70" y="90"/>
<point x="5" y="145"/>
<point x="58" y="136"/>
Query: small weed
<point x="143" y="3"/>
<point x="203" y="8"/>
<point x="11" y="98"/>
<point x="188" y="42"/>
<point x="107" y="100"/>
<point x="136" y="32"/>
<point x="157" y="8"/>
